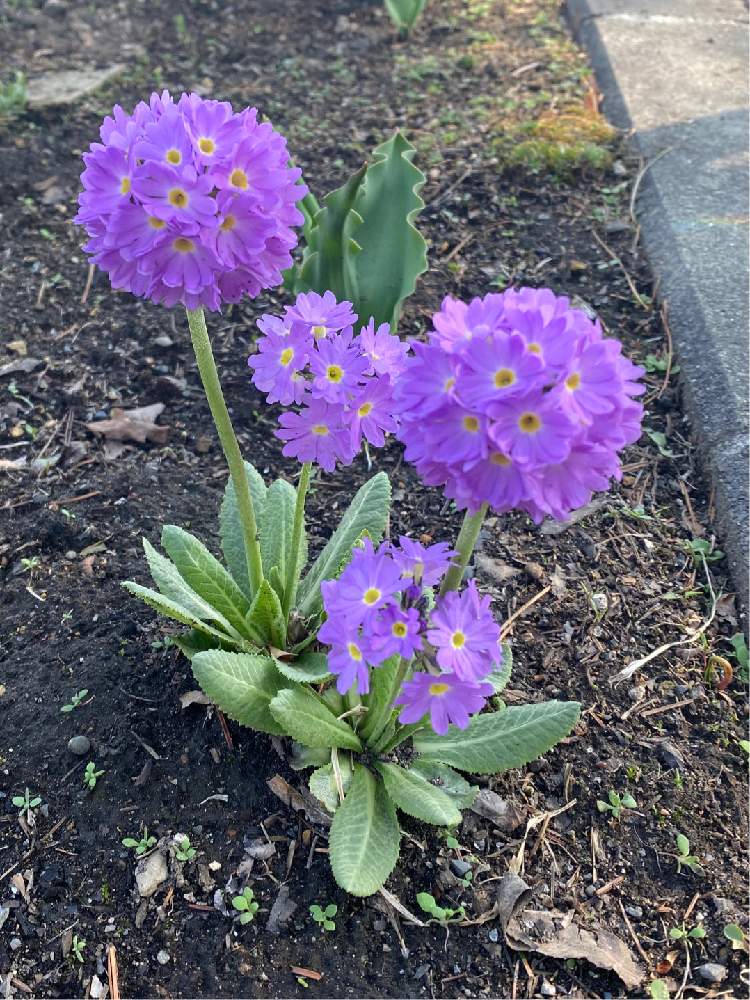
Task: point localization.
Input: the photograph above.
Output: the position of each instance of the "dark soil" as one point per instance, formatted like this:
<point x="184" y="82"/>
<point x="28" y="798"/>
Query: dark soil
<point x="610" y="587"/>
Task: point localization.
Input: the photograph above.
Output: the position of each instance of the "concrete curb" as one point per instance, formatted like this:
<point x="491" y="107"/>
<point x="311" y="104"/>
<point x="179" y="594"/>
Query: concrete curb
<point x="675" y="72"/>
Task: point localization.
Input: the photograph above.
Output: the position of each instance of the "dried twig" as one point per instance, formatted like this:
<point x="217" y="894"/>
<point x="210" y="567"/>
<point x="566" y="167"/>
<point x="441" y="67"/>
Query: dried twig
<point x="113" y="973"/>
<point x="506" y="627"/>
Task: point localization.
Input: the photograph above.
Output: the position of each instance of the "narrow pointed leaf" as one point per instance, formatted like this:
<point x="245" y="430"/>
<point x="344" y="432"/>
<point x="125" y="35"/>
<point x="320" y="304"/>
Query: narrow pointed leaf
<point x="415" y="796"/>
<point x="242" y="685"/>
<point x="404" y="13"/>
<point x="379" y="701"/>
<point x="230" y="527"/>
<point x="364" y="838"/>
<point x="306" y="719"/>
<point x="275" y="528"/>
<point x="265" y="620"/>
<point x="497" y="741"/>
<point x="171" y="609"/>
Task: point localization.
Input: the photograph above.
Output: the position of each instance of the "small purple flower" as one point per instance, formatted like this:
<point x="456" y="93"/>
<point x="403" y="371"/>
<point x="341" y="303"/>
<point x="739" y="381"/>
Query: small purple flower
<point x="385" y="352"/>
<point x="496" y="369"/>
<point x="320" y="314"/>
<point x="182" y="262"/>
<point x="242" y="232"/>
<point x="368" y="584"/>
<point x="213" y="129"/>
<point x="458" y="323"/>
<point x="316" y="434"/>
<point x="182" y="197"/>
<point x="395" y="632"/>
<point x="347" y="659"/>
<point x="446" y="697"/>
<point x="427" y="382"/>
<point x="166" y="141"/>
<point x="371" y="412"/>
<point x="457" y="434"/>
<point x="338" y="368"/>
<point x="108" y="179"/>
<point x="277" y="366"/>
<point x="532" y="429"/>
<point x="425" y="565"/>
<point x="465" y="635"/>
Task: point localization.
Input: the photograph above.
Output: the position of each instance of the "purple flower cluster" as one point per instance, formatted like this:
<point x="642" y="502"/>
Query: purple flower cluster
<point x="344" y="383"/>
<point x="188" y="202"/>
<point x="377" y="609"/>
<point x="518" y="401"/>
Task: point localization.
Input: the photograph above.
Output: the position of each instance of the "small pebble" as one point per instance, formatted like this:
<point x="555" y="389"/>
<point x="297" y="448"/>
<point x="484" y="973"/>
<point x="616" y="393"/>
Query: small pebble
<point x="109" y="929"/>
<point x="15" y="943"/>
<point x="493" y="935"/>
<point x="79" y="745"/>
<point x="590" y="890"/>
<point x="711" y="972"/>
<point x="162" y="957"/>
<point x="721" y="904"/>
<point x="547" y="989"/>
<point x="634" y="911"/>
<point x="460" y="868"/>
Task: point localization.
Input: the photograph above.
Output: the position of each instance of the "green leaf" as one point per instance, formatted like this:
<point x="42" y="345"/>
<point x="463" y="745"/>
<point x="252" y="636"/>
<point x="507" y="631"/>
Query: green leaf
<point x="323" y="783"/>
<point x="368" y="511"/>
<point x="242" y="685"/>
<point x="275" y="529"/>
<point x="364" y="838"/>
<point x="192" y="642"/>
<point x="230" y="527"/>
<point x="379" y="701"/>
<point x="205" y="574"/>
<point x="170" y="609"/>
<point x="499" y="678"/>
<point x="404" y="13"/>
<point x="415" y="796"/>
<point x="309" y="668"/>
<point x="733" y="933"/>
<point x="300" y="757"/>
<point x="683" y="844"/>
<point x="265" y="620"/>
<point x="447" y="780"/>
<point x="497" y="741"/>
<point x="305" y="718"/>
<point x="658" y="990"/>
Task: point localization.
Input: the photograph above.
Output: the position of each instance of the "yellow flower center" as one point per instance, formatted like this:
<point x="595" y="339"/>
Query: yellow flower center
<point x="471" y="424"/>
<point x="438" y="688"/>
<point x="125" y="185"/>
<point x="458" y="639"/>
<point x="229" y="223"/>
<point x="497" y="458"/>
<point x="334" y="373"/>
<point x="365" y="410"/>
<point x="174" y="156"/>
<point x="535" y="348"/>
<point x="177" y="197"/>
<point x="529" y="422"/>
<point x="183" y="245"/>
<point x="399" y="629"/>
<point x="286" y="356"/>
<point x="371" y="596"/>
<point x="448" y="384"/>
<point x="238" y="178"/>
<point x="156" y="223"/>
<point x="206" y="145"/>
<point x="354" y="651"/>
<point x="318" y="332"/>
<point x="573" y="381"/>
<point x="504" y="377"/>
<point x="320" y="429"/>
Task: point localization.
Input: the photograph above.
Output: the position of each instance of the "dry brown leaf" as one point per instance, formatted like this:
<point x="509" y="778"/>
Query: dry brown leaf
<point x="505" y="815"/>
<point x="18" y="347"/>
<point x="25" y="365"/>
<point x="133" y="425"/>
<point x="194" y="698"/>
<point x="300" y="801"/>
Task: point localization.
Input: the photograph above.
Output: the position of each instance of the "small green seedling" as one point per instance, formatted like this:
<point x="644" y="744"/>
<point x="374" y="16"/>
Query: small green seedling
<point x="683" y="934"/>
<point x="616" y="804"/>
<point x="443" y="914"/>
<point x="246" y="904"/>
<point x="742" y="656"/>
<point x="684" y="857"/>
<point x="183" y="851"/>
<point x="452" y="843"/>
<point x="303" y="982"/>
<point x="702" y="550"/>
<point x="140" y="846"/>
<point x="735" y="934"/>
<point x="24" y="803"/>
<point x="745" y="745"/>
<point x="76" y="948"/>
<point x="658" y="990"/>
<point x="13" y="96"/>
<point x="323" y="916"/>
<point x="91" y="775"/>
<point x="75" y="701"/>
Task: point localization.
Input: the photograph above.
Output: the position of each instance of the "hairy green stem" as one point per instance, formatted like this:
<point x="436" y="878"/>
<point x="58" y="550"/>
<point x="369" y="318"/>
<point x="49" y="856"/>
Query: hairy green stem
<point x="467" y="539"/>
<point x="299" y="523"/>
<point x="223" y="423"/>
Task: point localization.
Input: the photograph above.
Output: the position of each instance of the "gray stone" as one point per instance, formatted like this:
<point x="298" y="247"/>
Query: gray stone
<point x="15" y="943"/>
<point x="712" y="972"/>
<point x="163" y="957"/>
<point x="150" y="873"/>
<point x="79" y="745"/>
<point x="547" y="989"/>
<point x="721" y="904"/>
<point x="636" y="912"/>
<point x="460" y="868"/>
<point x="670" y="756"/>
<point x="67" y="86"/>
<point x="675" y="72"/>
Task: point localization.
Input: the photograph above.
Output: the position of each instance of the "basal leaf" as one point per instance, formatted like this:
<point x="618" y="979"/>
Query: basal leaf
<point x="230" y="528"/>
<point x="417" y="797"/>
<point x="309" y="668"/>
<point x="242" y="685"/>
<point x="323" y="782"/>
<point x="379" y="701"/>
<point x="305" y="718"/>
<point x="275" y="528"/>
<point x="364" y="838"/>
<point x="496" y="741"/>
<point x="171" y="609"/>
<point x="368" y="511"/>
<point x="455" y="786"/>
<point x="265" y="620"/>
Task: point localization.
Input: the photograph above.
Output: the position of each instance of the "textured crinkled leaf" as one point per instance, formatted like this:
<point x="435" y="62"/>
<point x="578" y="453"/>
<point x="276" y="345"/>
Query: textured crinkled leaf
<point x="379" y="701"/>
<point x="496" y="741"/>
<point x="193" y="641"/>
<point x="301" y="757"/>
<point x="323" y="783"/>
<point x="364" y="838"/>
<point x="205" y="574"/>
<point x="415" y="796"/>
<point x="404" y="13"/>
<point x="306" y="719"/>
<point x="368" y="511"/>
<point x="230" y="527"/>
<point x="447" y="780"/>
<point x="242" y="685"/>
<point x="499" y="678"/>
<point x="265" y="620"/>
<point x="275" y="528"/>
<point x="307" y="669"/>
<point x="172" y="609"/>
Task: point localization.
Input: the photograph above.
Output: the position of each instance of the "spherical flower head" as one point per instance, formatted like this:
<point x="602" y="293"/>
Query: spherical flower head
<point x="424" y="564"/>
<point x="316" y="434"/>
<point x="385" y="352"/>
<point x="320" y="315"/>
<point x="368" y="584"/>
<point x="395" y="633"/>
<point x="465" y="635"/>
<point x="338" y="368"/>
<point x="446" y="697"/>
<point x="427" y="382"/>
<point x="277" y="367"/>
<point x="166" y="161"/>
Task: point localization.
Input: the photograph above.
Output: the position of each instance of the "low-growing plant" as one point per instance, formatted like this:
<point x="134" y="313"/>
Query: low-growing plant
<point x="444" y="914"/>
<point x="77" y="947"/>
<point x="91" y="775"/>
<point x="683" y="934"/>
<point x="324" y="916"/>
<point x="141" y="846"/>
<point x="742" y="656"/>
<point x="702" y="551"/>
<point x="183" y="850"/>
<point x="684" y="858"/>
<point x="25" y="803"/>
<point x="616" y="803"/>
<point x="736" y="936"/>
<point x="404" y="13"/>
<point x="381" y="665"/>
<point x="75" y="700"/>
<point x="246" y="905"/>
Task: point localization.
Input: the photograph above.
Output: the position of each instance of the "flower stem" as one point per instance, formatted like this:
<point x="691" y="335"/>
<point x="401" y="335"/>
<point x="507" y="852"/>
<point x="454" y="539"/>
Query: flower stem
<point x="290" y="584"/>
<point x="467" y="539"/>
<point x="212" y="386"/>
